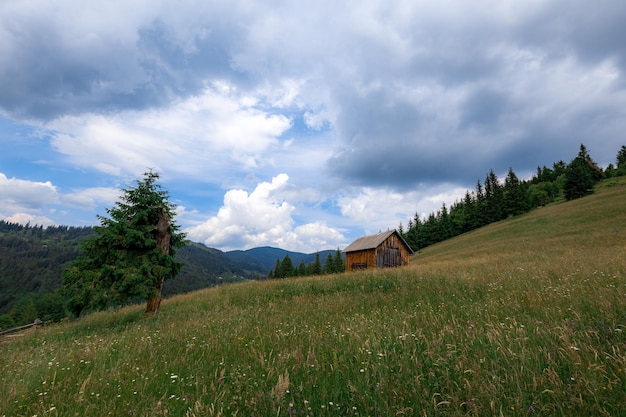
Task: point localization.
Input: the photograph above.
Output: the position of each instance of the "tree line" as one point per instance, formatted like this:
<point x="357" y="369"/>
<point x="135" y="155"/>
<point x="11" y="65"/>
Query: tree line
<point x="494" y="200"/>
<point x="285" y="268"/>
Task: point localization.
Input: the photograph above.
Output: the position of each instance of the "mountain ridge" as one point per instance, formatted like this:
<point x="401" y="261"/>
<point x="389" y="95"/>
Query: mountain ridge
<point x="266" y="256"/>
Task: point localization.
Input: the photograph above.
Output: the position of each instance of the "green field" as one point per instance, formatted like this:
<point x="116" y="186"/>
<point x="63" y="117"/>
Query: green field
<point x="523" y="317"/>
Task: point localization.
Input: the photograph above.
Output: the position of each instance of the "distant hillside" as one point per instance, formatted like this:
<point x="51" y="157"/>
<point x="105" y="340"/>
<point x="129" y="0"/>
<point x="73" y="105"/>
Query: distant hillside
<point x="264" y="258"/>
<point x="32" y="259"/>
<point x="204" y="267"/>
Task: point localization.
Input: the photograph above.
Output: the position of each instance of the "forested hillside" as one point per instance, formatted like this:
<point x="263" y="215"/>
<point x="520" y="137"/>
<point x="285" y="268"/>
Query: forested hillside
<point x="32" y="259"/>
<point x="494" y="200"/>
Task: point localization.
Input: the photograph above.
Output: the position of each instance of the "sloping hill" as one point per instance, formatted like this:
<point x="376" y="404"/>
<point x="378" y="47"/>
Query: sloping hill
<point x="524" y="317"/>
<point x="581" y="225"/>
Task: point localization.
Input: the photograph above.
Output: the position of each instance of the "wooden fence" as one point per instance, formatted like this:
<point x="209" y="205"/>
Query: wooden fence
<point x="36" y="323"/>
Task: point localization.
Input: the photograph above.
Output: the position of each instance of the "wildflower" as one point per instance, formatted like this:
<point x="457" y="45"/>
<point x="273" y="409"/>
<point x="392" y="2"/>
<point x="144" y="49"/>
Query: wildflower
<point x="531" y="409"/>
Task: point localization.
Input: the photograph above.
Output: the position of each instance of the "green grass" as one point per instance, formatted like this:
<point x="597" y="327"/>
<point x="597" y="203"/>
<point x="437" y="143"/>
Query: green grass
<point x="524" y="317"/>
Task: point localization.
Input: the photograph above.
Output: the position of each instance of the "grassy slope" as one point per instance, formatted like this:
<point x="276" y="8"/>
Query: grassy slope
<point x="524" y="317"/>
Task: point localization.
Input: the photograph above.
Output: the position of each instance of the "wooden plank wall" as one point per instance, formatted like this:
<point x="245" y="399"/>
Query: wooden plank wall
<point x="395" y="241"/>
<point x="366" y="259"/>
<point x="363" y="259"/>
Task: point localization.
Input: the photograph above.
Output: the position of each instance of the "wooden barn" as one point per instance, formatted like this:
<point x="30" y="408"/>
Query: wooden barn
<point x="384" y="250"/>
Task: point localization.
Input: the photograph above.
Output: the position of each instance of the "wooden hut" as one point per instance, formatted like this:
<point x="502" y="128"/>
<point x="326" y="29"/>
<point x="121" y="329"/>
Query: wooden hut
<point x="384" y="250"/>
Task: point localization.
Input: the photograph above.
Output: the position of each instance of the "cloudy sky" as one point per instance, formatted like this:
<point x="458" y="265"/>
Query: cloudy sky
<point x="297" y="124"/>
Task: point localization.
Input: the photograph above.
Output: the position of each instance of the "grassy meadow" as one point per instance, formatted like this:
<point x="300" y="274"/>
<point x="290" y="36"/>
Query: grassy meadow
<point x="523" y="317"/>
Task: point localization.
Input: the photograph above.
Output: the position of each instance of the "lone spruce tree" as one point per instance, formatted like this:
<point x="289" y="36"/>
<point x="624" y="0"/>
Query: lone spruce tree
<point x="131" y="254"/>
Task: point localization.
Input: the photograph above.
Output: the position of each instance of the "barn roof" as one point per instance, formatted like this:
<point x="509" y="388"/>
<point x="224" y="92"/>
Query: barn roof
<point x="373" y="241"/>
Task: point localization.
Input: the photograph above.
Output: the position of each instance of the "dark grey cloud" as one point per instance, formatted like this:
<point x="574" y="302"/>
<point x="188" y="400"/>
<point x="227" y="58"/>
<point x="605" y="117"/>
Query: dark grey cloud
<point x="514" y="90"/>
<point x="593" y="31"/>
<point x="483" y="108"/>
<point x="53" y="72"/>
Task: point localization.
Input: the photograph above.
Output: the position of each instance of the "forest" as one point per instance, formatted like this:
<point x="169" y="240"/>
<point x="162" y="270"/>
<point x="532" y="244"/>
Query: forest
<point x="32" y="260"/>
<point x="285" y="268"/>
<point x="494" y="200"/>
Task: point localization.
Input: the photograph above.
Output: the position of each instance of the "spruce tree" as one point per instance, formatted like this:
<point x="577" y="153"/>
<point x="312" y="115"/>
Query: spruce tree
<point x="494" y="196"/>
<point x="515" y="200"/>
<point x="316" y="267"/>
<point x="621" y="161"/>
<point x="581" y="175"/>
<point x="131" y="254"/>
<point x="329" y="264"/>
<point x="339" y="263"/>
<point x="301" y="270"/>
<point x="277" y="270"/>
<point x="286" y="267"/>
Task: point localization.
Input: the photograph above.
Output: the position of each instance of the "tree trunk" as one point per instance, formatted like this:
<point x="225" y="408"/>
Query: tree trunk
<point x="154" y="302"/>
<point x="163" y="237"/>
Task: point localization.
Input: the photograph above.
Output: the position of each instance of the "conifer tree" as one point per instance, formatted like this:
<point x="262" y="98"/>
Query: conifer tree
<point x="316" y="267"/>
<point x="493" y="198"/>
<point x="581" y="175"/>
<point x="515" y="201"/>
<point x="339" y="263"/>
<point x="301" y="270"/>
<point x="621" y="161"/>
<point x="131" y="254"/>
<point x="286" y="267"/>
<point x="445" y="225"/>
<point x="329" y="264"/>
<point x="277" y="270"/>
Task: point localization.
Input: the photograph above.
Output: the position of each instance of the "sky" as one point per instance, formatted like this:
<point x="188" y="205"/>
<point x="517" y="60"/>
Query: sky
<point x="301" y="125"/>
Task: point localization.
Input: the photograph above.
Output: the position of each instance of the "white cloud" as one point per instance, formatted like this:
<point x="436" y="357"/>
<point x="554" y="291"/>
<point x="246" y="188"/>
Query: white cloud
<point x="312" y="237"/>
<point x="90" y="198"/>
<point x="203" y="135"/>
<point x="261" y="218"/>
<point x="23" y="196"/>
<point x="24" y="219"/>
<point x="376" y="209"/>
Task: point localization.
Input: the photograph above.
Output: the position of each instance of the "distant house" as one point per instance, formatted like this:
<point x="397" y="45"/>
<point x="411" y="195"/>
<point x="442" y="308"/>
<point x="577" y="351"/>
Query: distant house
<point x="384" y="250"/>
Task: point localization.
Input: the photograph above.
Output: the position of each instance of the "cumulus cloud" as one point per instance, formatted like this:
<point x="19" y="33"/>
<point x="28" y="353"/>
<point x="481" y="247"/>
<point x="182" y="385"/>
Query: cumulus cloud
<point x="22" y="196"/>
<point x="24" y="219"/>
<point x="261" y="218"/>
